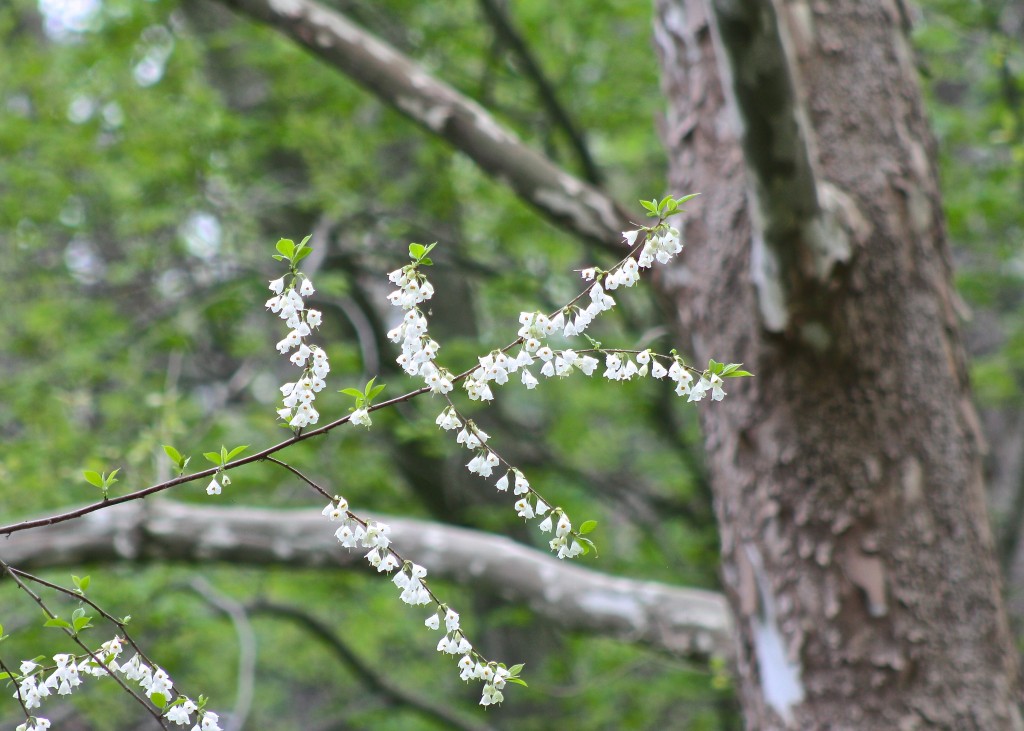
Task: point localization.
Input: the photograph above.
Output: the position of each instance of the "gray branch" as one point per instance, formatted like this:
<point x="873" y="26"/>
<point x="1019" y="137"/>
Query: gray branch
<point x="442" y="111"/>
<point x="689" y="623"/>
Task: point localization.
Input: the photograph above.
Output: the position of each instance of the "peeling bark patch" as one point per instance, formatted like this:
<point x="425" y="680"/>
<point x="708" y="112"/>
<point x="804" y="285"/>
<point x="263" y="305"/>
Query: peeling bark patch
<point x="433" y="117"/>
<point x="780" y="678"/>
<point x="781" y="684"/>
<point x="766" y="275"/>
<point x="868" y="574"/>
<point x="289" y="8"/>
<point x="913" y="481"/>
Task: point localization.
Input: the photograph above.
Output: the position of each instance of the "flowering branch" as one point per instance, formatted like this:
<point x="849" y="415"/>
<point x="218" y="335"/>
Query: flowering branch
<point x="411" y="579"/>
<point x="659" y="241"/>
<point x="66" y="675"/>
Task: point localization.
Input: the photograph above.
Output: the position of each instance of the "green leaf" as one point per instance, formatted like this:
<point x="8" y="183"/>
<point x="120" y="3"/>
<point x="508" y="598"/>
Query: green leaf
<point x="82" y="623"/>
<point x="376" y="390"/>
<point x="714" y="366"/>
<point x="235" y="452"/>
<point x="650" y="205"/>
<point x="368" y="387"/>
<point x="223" y="454"/>
<point x="305" y="240"/>
<point x="587" y="527"/>
<point x="80" y="612"/>
<point x="588" y="545"/>
<point x="286" y="247"/>
<point x="93" y="478"/>
<point x="57" y="622"/>
<point x="427" y="261"/>
<point x="352" y="392"/>
<point x="159" y="700"/>
<point x="516" y="669"/>
<point x="5" y="676"/>
<point x="416" y="251"/>
<point x="301" y="254"/>
<point x="686" y="198"/>
<point x="280" y="258"/>
<point x="213" y="457"/>
<point x="739" y="374"/>
<point x="111" y="479"/>
<point x="81" y="583"/>
<point x="517" y="681"/>
<point x="173" y="453"/>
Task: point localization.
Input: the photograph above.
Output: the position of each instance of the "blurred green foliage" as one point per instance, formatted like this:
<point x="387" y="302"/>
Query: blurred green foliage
<point x="973" y="61"/>
<point x="147" y="165"/>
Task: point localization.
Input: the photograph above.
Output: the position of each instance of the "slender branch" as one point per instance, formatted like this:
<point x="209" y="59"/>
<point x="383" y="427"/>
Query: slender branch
<point x="81" y="597"/>
<point x="374" y="682"/>
<point x="236" y="612"/>
<point x="511" y="37"/>
<point x="107" y="502"/>
<point x="689" y="623"/>
<point x="16" y="575"/>
<point x="442" y="111"/>
<point x="17" y="696"/>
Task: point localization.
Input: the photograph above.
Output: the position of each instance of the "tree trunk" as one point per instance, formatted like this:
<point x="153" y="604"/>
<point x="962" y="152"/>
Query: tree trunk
<point x="855" y="547"/>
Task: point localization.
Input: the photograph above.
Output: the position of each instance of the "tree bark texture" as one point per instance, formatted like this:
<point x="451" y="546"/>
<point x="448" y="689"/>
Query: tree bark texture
<point x="855" y="546"/>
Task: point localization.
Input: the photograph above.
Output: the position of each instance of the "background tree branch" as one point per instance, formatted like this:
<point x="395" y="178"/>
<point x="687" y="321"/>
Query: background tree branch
<point x="441" y="110"/>
<point x="689" y="623"/>
<point x="375" y="682"/>
<point x="498" y="17"/>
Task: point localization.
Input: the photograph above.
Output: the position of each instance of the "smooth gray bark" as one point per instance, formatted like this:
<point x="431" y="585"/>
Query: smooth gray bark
<point x="689" y="623"/>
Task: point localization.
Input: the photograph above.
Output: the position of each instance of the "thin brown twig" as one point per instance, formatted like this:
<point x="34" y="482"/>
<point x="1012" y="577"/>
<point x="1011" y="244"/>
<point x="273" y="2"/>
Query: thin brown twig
<point x="265" y="453"/>
<point x="13" y="573"/>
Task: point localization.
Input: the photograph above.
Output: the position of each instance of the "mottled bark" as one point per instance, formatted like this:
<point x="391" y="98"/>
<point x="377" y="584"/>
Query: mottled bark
<point x="855" y="547"/>
<point x="689" y="623"/>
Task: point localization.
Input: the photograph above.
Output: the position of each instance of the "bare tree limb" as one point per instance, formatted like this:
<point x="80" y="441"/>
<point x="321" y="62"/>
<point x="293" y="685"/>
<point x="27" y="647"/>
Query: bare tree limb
<point x="375" y="682"/>
<point x="498" y="17"/>
<point x="442" y="111"/>
<point x="689" y="623"/>
<point x="246" y="635"/>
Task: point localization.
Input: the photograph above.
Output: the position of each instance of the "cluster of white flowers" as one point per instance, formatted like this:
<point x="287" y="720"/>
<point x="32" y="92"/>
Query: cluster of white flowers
<point x="355" y="533"/>
<point x="471" y="664"/>
<point x="220" y="480"/>
<point x="529" y="503"/>
<point x="564" y="544"/>
<point x="68" y="672"/>
<point x="418" y="348"/>
<point x="661" y="243"/>
<point x="287" y="303"/>
<point x="620" y="367"/>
